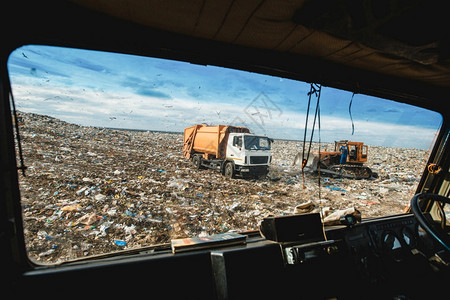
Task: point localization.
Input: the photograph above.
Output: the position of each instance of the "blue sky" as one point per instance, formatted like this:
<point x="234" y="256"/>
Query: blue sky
<point x="126" y="91"/>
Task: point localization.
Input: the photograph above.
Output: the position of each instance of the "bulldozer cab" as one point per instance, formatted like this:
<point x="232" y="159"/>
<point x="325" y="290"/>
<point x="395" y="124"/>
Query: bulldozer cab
<point x="357" y="151"/>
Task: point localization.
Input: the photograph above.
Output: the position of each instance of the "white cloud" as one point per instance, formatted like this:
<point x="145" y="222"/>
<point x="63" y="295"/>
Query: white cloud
<point x="125" y="109"/>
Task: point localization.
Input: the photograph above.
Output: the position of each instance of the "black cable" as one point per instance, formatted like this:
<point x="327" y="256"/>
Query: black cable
<point x="350" y="112"/>
<point x="317" y="93"/>
<point x="306" y="127"/>
<point x="318" y="164"/>
<point x="316" y="90"/>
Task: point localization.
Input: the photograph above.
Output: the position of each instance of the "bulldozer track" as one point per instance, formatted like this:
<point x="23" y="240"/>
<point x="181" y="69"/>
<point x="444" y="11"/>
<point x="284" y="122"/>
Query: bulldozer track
<point x="348" y="171"/>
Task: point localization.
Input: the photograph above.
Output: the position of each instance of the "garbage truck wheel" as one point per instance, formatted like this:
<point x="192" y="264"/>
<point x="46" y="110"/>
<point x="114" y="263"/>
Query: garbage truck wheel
<point x="196" y="161"/>
<point x="229" y="170"/>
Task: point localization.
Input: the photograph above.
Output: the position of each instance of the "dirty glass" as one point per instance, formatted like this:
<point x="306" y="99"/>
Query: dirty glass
<point x="256" y="143"/>
<point x="102" y="140"/>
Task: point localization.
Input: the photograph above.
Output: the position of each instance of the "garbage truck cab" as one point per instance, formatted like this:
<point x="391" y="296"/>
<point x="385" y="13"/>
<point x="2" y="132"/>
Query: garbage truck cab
<point x="247" y="154"/>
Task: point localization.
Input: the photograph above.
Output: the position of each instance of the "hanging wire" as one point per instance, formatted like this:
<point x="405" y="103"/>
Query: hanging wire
<point x="350" y="112"/>
<point x="318" y="164"/>
<point x="304" y="160"/>
<point x="319" y="179"/>
<point x="306" y="127"/>
<point x="315" y="89"/>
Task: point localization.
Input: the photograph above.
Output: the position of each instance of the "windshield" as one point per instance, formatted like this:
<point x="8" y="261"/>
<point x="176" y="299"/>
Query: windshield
<point x="256" y="143"/>
<point x="110" y="165"/>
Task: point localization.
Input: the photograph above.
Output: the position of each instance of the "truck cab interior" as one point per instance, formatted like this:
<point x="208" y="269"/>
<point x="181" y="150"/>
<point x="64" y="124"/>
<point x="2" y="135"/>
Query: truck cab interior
<point x="396" y="51"/>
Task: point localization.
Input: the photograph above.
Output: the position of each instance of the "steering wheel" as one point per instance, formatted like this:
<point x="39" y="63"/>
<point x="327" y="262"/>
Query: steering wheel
<point x="439" y="234"/>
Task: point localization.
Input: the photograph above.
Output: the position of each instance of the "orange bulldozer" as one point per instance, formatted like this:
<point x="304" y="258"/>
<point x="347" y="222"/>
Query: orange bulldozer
<point x="347" y="160"/>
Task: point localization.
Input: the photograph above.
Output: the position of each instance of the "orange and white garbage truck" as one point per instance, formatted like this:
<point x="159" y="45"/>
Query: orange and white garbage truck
<point x="231" y="149"/>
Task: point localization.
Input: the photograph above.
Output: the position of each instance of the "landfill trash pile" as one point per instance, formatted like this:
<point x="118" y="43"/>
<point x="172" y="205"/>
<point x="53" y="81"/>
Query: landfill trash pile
<point x="91" y="190"/>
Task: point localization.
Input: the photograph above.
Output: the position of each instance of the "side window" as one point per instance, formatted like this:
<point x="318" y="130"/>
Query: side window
<point x="364" y="152"/>
<point x="352" y="153"/>
<point x="237" y="141"/>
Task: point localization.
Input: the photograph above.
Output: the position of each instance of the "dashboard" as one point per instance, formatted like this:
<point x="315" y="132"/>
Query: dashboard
<point x="382" y="258"/>
<point x="383" y="255"/>
<point x="396" y="238"/>
<point x="391" y="239"/>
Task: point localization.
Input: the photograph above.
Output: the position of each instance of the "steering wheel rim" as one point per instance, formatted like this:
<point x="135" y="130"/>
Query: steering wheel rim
<point x="424" y="223"/>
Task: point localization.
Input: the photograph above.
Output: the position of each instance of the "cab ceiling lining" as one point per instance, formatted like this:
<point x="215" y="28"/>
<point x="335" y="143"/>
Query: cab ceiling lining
<point x="362" y="34"/>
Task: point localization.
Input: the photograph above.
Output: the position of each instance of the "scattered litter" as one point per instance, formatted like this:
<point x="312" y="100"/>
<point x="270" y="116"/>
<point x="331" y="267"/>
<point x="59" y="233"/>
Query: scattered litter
<point x="335" y="188"/>
<point x="75" y="207"/>
<point x="100" y="197"/>
<point x="303" y="208"/>
<point x="120" y="243"/>
<point x="334" y="217"/>
<point x="47" y="253"/>
<point x="180" y="184"/>
<point x="112" y="188"/>
<point x="88" y="219"/>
